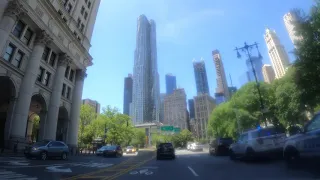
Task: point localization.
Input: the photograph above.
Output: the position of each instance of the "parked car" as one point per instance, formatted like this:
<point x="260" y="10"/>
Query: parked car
<point x="165" y="150"/>
<point x="47" y="149"/>
<point x="304" y="145"/>
<point x="130" y="149"/>
<point x="260" y="142"/>
<point x="99" y="151"/>
<point x="113" y="150"/>
<point x="220" y="146"/>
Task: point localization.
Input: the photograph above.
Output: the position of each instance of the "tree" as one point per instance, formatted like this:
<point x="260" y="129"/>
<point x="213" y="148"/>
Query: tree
<point x="87" y="116"/>
<point x="139" y="138"/>
<point x="307" y="63"/>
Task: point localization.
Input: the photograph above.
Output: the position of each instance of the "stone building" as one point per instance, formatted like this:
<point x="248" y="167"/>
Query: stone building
<point x="44" y="53"/>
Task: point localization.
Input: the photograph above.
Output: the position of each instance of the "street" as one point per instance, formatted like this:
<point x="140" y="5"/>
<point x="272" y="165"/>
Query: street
<point x="187" y="165"/>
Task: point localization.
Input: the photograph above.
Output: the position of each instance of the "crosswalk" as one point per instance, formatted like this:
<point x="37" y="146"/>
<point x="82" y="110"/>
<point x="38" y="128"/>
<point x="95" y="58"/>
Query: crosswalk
<point x="8" y="175"/>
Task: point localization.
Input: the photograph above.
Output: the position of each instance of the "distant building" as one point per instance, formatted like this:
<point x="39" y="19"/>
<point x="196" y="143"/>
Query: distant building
<point x="291" y="19"/>
<point x="161" y="115"/>
<point x="257" y="65"/>
<point x="92" y="103"/>
<point x="222" y="84"/>
<point x="219" y="98"/>
<point x="200" y="74"/>
<point x="268" y="73"/>
<point x="171" y="83"/>
<point x="127" y="94"/>
<point x="191" y="108"/>
<point x="232" y="90"/>
<point x="203" y="105"/>
<point x="175" y="106"/>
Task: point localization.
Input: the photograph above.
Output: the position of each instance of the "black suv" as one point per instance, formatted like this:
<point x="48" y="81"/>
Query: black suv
<point x="165" y="150"/>
<point x="220" y="146"/>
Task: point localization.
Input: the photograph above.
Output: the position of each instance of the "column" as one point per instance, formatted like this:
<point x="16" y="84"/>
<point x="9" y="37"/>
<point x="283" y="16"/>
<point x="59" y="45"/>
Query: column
<point x="10" y="15"/>
<point x="72" y="140"/>
<point x="22" y="107"/>
<point x="53" y="110"/>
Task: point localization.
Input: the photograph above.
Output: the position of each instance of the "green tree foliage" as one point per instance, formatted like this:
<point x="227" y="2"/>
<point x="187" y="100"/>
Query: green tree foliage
<point x="87" y="116"/>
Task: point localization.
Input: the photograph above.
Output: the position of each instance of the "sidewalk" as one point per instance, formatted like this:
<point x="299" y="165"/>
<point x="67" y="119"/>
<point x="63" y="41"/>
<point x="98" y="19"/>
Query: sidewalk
<point x="10" y="153"/>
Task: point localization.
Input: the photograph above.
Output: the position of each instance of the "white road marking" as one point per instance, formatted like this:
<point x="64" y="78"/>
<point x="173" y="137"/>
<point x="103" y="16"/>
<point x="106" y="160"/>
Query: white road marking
<point x="19" y="163"/>
<point x="57" y="169"/>
<point x="13" y="175"/>
<point x="193" y="172"/>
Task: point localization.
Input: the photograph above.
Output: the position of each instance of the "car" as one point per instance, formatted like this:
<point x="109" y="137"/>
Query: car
<point x="100" y="150"/>
<point x="304" y="145"/>
<point x="130" y="149"/>
<point x="113" y="150"/>
<point x="47" y="149"/>
<point x="165" y="150"/>
<point x="189" y="144"/>
<point x="220" y="146"/>
<point x="258" y="142"/>
<point x="196" y="147"/>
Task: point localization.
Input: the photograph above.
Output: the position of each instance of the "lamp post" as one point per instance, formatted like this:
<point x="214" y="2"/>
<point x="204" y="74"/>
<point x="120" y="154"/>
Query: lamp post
<point x="247" y="50"/>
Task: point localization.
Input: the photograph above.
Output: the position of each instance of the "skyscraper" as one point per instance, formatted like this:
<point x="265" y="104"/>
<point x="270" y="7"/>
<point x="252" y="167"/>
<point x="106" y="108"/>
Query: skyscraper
<point x="200" y="74"/>
<point x="191" y="108"/>
<point x="222" y="84"/>
<point x="257" y="65"/>
<point x="278" y="56"/>
<point x="161" y="115"/>
<point x="291" y="20"/>
<point x="171" y="83"/>
<point x="127" y="94"/>
<point x="175" y="107"/>
<point x="268" y="73"/>
<point x="146" y="91"/>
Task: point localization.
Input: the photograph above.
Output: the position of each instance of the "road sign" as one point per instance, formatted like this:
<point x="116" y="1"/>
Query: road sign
<point x="176" y="130"/>
<point x="166" y="128"/>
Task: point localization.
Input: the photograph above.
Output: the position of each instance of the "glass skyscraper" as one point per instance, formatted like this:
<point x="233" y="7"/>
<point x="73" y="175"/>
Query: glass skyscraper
<point x="257" y="65"/>
<point x="171" y="83"/>
<point x="200" y="74"/>
<point x="127" y="94"/>
<point x="146" y="91"/>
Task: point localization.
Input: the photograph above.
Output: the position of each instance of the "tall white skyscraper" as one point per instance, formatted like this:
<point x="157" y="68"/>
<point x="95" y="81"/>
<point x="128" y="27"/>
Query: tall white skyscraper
<point x="290" y="20"/>
<point x="278" y="56"/>
<point x="146" y="90"/>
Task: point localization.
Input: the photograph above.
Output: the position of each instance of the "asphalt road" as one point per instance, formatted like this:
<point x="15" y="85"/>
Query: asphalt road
<point x="187" y="165"/>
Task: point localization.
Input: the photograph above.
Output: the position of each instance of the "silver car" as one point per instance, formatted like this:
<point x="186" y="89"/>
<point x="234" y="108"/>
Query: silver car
<point x="46" y="149"/>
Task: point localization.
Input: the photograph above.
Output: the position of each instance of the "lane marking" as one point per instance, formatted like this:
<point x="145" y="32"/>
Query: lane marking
<point x="193" y="172"/>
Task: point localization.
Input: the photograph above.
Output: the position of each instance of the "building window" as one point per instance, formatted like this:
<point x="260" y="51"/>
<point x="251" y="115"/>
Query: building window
<point x="75" y="33"/>
<point x="89" y="4"/>
<point x="46" y="78"/>
<point x="85" y="15"/>
<point x="45" y="53"/>
<point x="66" y="74"/>
<point x="82" y="27"/>
<point x="18" y="29"/>
<point x="60" y="13"/>
<point x="40" y="74"/>
<point x="71" y="75"/>
<point x="82" y="10"/>
<point x="63" y="89"/>
<point x="79" y="39"/>
<point x="69" y="8"/>
<point x="52" y="59"/>
<point x="9" y="52"/>
<point x="27" y="36"/>
<point x="17" y="60"/>
<point x="79" y="22"/>
<point x="68" y="93"/>
<point x="64" y="19"/>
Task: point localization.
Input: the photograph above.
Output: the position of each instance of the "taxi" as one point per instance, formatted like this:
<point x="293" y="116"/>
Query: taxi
<point x="305" y="145"/>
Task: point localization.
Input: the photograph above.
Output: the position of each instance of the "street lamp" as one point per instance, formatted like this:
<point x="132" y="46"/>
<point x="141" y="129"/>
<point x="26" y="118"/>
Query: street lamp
<point x="247" y="49"/>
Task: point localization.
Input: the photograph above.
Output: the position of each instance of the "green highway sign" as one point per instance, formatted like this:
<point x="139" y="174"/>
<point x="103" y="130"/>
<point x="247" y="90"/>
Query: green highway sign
<point x="176" y="130"/>
<point x="166" y="128"/>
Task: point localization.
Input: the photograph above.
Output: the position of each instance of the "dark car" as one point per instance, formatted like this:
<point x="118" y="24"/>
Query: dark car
<point x="165" y="150"/>
<point x="113" y="150"/>
<point x="46" y="149"/>
<point x="220" y="146"/>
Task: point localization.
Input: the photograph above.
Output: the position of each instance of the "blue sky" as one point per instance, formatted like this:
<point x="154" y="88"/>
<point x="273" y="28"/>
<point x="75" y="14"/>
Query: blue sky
<point x="186" y="30"/>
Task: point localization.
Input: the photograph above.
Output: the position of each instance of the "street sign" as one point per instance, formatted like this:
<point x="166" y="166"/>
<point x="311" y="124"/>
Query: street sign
<point x="176" y="130"/>
<point x="166" y="128"/>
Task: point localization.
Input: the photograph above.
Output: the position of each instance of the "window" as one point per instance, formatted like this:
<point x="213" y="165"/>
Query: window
<point x="68" y="93"/>
<point x="17" y="60"/>
<point x="75" y="33"/>
<point x="89" y="4"/>
<point x="40" y="74"/>
<point x="52" y="59"/>
<point x="66" y="74"/>
<point x="60" y="13"/>
<point x="64" y="19"/>
<point x="79" y="39"/>
<point x="18" y="29"/>
<point x="85" y="15"/>
<point x="69" y="8"/>
<point x="63" y="89"/>
<point x="9" y="52"/>
<point x="46" y="78"/>
<point x="79" y="22"/>
<point x="314" y="124"/>
<point x="27" y="36"/>
<point x="82" y="27"/>
<point x="71" y="75"/>
<point x="45" y="53"/>
<point x="82" y="10"/>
